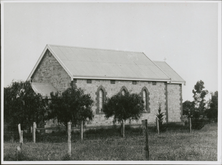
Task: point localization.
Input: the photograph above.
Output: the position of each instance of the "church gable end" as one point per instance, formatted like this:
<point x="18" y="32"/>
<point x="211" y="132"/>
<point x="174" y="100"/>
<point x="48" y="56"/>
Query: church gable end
<point x="50" y="71"/>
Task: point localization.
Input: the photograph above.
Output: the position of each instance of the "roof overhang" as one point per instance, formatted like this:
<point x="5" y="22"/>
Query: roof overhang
<point x="118" y="78"/>
<point x="43" y="88"/>
<point x="177" y="82"/>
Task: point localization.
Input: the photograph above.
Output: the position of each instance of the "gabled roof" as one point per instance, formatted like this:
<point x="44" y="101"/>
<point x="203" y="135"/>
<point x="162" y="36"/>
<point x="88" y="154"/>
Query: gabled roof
<point x="175" y="77"/>
<point x="104" y="64"/>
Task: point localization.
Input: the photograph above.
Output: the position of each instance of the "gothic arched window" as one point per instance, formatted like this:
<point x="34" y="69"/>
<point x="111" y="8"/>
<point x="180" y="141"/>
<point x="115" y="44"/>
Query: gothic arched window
<point x="146" y="99"/>
<point x="100" y="97"/>
<point x="123" y="90"/>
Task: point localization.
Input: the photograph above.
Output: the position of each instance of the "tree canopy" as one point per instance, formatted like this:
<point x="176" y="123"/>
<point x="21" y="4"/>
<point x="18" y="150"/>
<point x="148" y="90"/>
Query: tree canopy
<point x="212" y="112"/>
<point x="198" y="106"/>
<point x="123" y="107"/>
<point x="22" y="105"/>
<point x="71" y="105"/>
<point x="199" y="99"/>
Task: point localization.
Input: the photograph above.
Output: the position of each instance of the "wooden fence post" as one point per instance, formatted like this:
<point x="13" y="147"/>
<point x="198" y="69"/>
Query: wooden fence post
<point x="34" y="132"/>
<point x="19" y="130"/>
<point x="123" y="127"/>
<point x="19" y="148"/>
<point x="190" y="124"/>
<point x="21" y="137"/>
<point x="20" y="134"/>
<point x="145" y="132"/>
<point x="81" y="130"/>
<point x="69" y="139"/>
<point x="158" y="125"/>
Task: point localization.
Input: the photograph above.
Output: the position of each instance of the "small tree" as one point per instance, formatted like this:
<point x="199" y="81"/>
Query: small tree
<point x="212" y="112"/>
<point x="123" y="107"/>
<point x="160" y="116"/>
<point x="72" y="105"/>
<point x="22" y="105"/>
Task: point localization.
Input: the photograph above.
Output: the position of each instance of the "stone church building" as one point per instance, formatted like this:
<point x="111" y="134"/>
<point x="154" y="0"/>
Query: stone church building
<point x="103" y="73"/>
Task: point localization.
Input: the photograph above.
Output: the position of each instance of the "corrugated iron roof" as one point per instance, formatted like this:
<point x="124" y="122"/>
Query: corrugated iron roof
<point x="98" y="63"/>
<point x="175" y="77"/>
<point x="43" y="88"/>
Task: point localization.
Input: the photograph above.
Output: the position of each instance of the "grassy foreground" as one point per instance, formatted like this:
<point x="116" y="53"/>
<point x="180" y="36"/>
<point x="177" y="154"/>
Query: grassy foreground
<point x="200" y="145"/>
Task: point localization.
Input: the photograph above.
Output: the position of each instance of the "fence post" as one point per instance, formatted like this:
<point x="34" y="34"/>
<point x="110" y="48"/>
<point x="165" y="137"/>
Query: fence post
<point x="21" y="137"/>
<point x="190" y="124"/>
<point x="158" y="125"/>
<point x="81" y="130"/>
<point x="20" y="134"/>
<point x="19" y="130"/>
<point x="69" y="139"/>
<point x="145" y="132"/>
<point x="123" y="127"/>
<point x="34" y="132"/>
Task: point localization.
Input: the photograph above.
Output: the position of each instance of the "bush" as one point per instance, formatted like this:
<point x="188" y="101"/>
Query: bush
<point x="198" y="123"/>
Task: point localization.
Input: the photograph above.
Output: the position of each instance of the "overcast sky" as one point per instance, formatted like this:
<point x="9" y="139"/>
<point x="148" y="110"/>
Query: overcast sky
<point x="185" y="34"/>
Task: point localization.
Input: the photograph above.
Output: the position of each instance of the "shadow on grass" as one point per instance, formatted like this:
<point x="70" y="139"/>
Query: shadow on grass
<point x="17" y="157"/>
<point x="99" y="133"/>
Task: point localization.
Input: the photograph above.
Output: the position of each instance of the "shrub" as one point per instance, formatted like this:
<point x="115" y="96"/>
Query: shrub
<point x="197" y="123"/>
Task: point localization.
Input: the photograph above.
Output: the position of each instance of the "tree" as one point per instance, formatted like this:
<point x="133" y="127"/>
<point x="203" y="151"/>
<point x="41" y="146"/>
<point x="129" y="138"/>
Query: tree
<point x="199" y="105"/>
<point x="22" y="105"/>
<point x="160" y="116"/>
<point x="199" y="97"/>
<point x="123" y="107"/>
<point x="72" y="105"/>
<point x="212" y="112"/>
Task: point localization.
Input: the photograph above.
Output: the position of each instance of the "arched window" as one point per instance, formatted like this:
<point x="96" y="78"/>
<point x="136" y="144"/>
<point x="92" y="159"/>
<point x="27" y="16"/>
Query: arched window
<point x="100" y="98"/>
<point x="146" y="99"/>
<point x="123" y="90"/>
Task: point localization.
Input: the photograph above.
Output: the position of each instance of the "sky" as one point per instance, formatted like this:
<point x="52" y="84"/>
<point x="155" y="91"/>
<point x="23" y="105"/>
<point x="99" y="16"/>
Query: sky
<point x="185" y="35"/>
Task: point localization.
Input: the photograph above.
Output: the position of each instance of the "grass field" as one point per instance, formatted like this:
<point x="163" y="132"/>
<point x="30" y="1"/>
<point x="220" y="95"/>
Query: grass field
<point x="174" y="144"/>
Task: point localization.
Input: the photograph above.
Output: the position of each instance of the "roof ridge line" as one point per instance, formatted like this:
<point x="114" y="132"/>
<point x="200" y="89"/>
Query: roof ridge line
<point x="94" y="48"/>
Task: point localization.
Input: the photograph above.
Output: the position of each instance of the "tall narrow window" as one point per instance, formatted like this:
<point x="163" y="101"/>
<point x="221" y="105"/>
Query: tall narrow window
<point x="145" y="99"/>
<point x="101" y="100"/>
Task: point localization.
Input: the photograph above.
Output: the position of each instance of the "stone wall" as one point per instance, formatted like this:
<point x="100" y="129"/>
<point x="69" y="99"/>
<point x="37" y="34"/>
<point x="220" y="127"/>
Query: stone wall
<point x="174" y="102"/>
<point x="50" y="71"/>
<point x="157" y="95"/>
